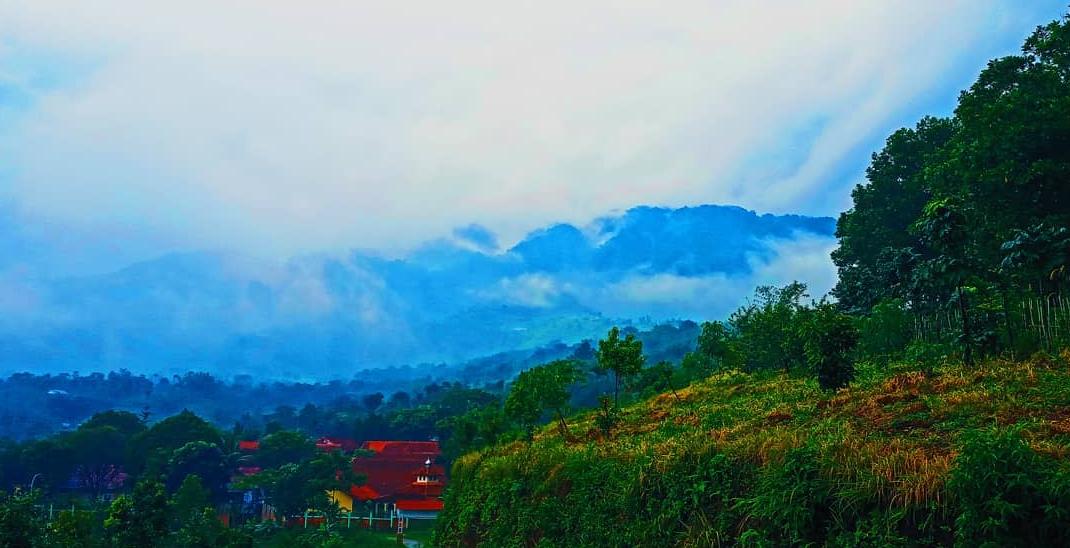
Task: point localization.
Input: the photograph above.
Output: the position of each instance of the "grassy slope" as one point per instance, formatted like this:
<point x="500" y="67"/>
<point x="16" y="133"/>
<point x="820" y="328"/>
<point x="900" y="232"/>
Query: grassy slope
<point x="769" y="452"/>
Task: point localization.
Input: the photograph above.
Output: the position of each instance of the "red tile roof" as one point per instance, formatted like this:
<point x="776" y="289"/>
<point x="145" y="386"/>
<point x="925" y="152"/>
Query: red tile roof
<point x="421" y="504"/>
<point x="391" y="472"/>
<point x="363" y="492"/>
<point x="248" y="445"/>
<point x="404" y="448"/>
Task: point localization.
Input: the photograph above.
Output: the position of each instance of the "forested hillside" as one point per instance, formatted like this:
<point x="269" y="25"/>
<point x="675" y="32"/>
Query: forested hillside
<point x="925" y="403"/>
<point x="35" y="406"/>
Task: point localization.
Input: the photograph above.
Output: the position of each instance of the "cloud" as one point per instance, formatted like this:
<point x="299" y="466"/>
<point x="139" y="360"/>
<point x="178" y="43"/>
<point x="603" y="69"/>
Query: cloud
<point x="804" y="258"/>
<point x="477" y="236"/>
<point x="538" y="290"/>
<point x="282" y="127"/>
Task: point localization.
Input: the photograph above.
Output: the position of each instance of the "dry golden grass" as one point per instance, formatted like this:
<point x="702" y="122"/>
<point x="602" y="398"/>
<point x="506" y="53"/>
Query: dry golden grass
<point x="891" y="439"/>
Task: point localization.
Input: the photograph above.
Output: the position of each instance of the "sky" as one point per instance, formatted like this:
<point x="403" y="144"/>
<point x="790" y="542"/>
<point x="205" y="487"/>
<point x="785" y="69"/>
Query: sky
<point x="131" y="129"/>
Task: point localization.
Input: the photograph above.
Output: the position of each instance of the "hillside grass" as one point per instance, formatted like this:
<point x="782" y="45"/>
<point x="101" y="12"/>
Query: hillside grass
<point x="770" y="459"/>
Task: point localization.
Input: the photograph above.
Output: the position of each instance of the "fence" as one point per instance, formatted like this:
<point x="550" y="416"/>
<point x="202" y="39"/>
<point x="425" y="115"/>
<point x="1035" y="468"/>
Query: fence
<point x="1024" y="323"/>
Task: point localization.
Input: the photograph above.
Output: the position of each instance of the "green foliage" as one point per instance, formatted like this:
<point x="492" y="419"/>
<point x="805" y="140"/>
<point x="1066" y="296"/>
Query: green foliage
<point x="624" y="357"/>
<point x="97" y="455"/>
<point x="149" y="451"/>
<point x="139" y="519"/>
<point x="606" y="415"/>
<point x="126" y="423"/>
<point x="20" y="527"/>
<point x="190" y="499"/>
<point x="657" y="378"/>
<point x="200" y="459"/>
<point x="717" y="343"/>
<point x="830" y="338"/>
<point x="791" y="504"/>
<point x="71" y="529"/>
<point x="539" y="389"/>
<point x="885" y="333"/>
<point x="871" y="234"/>
<point x="961" y="218"/>
<point x="284" y="447"/>
<point x="1039" y="254"/>
<point x="476" y="428"/>
<point x="204" y="530"/>
<point x="766" y="332"/>
<point x="1007" y="494"/>
<point x="773" y="460"/>
<point x="295" y="487"/>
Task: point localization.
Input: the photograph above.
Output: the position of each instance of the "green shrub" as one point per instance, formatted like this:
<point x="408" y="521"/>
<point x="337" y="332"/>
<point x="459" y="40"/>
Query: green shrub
<point x="1007" y="494"/>
<point x="886" y="332"/>
<point x="830" y="337"/>
<point x="791" y="504"/>
<point x="606" y="415"/>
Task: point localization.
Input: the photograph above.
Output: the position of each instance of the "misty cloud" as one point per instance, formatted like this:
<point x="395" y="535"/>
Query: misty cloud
<point x="478" y="236"/>
<point x="279" y="127"/>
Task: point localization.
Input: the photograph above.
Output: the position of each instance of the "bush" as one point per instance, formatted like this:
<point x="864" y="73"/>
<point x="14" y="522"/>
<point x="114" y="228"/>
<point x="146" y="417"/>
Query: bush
<point x="792" y="502"/>
<point x="606" y="416"/>
<point x="1007" y="494"/>
<point x="830" y="337"/>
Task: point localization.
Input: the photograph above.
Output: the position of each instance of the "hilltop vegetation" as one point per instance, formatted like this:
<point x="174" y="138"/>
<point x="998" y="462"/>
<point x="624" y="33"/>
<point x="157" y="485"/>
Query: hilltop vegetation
<point x="899" y="458"/>
<point x="925" y="405"/>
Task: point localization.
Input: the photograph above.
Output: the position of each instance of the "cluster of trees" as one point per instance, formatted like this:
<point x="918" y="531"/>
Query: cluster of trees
<point x="778" y="330"/>
<point x="962" y="223"/>
<point x="167" y="483"/>
<point x="775" y="331"/>
<point x="33" y="406"/>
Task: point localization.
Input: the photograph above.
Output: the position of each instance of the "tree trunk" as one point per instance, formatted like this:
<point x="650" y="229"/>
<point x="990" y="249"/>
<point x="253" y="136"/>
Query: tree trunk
<point x="668" y="381"/>
<point x="1008" y="321"/>
<point x="967" y="352"/>
<point x="562" y="424"/>
<point x="616" y="389"/>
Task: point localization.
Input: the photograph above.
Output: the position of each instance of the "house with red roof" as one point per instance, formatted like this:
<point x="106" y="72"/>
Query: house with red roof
<point x="403" y="477"/>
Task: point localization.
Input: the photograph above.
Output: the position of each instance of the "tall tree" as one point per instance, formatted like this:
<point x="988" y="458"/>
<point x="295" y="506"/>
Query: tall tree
<point x="875" y="229"/>
<point x="190" y="498"/>
<point x="203" y="460"/>
<point x="150" y="450"/>
<point x="538" y="389"/>
<point x="624" y="357"/>
<point x="944" y="228"/>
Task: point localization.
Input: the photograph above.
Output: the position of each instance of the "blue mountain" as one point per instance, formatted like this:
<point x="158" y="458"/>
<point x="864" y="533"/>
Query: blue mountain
<point x="451" y="299"/>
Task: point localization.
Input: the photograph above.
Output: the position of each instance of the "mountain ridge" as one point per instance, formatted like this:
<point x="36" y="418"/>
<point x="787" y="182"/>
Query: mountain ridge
<point x="448" y="300"/>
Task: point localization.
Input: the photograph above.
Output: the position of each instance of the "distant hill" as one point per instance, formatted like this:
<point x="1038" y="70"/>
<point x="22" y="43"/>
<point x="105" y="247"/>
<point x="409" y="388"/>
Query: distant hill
<point x="449" y="300"/>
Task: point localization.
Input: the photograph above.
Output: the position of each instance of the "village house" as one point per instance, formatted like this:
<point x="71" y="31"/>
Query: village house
<point x="403" y="478"/>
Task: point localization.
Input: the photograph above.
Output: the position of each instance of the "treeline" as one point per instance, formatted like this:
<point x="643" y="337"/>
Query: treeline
<point x="959" y="237"/>
<point x="33" y="406"/>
